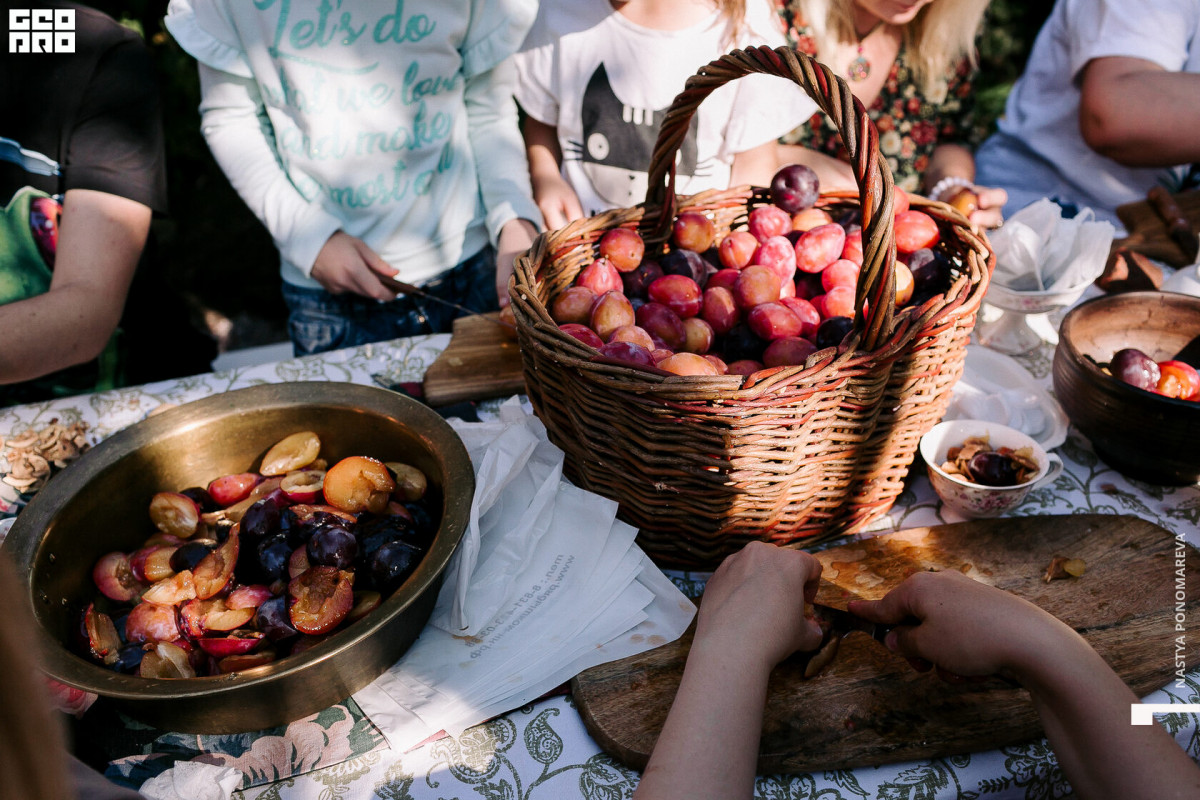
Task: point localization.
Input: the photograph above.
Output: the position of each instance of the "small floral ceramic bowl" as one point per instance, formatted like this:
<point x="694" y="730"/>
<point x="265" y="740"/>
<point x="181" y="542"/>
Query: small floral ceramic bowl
<point x="974" y="500"/>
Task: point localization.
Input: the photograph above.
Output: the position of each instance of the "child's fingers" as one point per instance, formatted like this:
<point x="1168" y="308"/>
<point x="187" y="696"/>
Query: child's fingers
<point x="896" y="606"/>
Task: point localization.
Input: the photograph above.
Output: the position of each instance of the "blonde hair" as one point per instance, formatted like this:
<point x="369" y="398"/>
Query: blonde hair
<point x="942" y="33"/>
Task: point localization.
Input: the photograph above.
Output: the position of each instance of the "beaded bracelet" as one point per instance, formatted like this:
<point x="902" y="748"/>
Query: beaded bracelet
<point x="948" y="182"/>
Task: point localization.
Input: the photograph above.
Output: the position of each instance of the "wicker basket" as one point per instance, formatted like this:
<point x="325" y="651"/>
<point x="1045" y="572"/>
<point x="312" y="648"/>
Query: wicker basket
<point x="791" y="455"/>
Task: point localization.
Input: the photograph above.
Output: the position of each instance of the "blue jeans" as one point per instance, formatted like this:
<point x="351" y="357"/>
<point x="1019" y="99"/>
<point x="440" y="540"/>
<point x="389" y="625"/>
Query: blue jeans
<point x="319" y="321"/>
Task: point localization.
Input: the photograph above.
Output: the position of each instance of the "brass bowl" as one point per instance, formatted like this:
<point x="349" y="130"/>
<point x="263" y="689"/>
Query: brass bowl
<point x="99" y="504"/>
<point x="1141" y="434"/>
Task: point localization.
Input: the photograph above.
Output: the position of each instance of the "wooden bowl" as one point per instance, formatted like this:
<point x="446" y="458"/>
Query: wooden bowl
<point x="98" y="505"/>
<point x="1140" y="434"/>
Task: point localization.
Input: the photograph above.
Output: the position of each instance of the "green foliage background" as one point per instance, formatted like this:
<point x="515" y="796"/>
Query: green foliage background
<point x="217" y="256"/>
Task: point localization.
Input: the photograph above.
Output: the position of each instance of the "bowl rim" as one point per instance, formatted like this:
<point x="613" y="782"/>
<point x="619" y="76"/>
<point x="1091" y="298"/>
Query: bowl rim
<point x="1109" y="381"/>
<point x="1040" y="453"/>
<point x="27" y="534"/>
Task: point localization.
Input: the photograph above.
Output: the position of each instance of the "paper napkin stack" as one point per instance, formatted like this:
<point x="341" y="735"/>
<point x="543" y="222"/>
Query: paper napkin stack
<point x="547" y="583"/>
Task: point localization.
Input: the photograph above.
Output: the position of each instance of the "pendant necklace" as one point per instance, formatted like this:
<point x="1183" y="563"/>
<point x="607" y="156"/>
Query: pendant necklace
<point x="860" y="67"/>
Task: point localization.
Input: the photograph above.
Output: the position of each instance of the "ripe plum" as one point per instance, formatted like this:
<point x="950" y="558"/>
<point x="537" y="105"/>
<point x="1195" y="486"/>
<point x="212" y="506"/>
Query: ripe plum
<point x="795" y="187"/>
<point x="693" y="231"/>
<point x="678" y="293"/>
<point x="600" y="276"/>
<point x="1135" y="368"/>
<point x="767" y="221"/>
<point x="611" y="311"/>
<point x="623" y="247"/>
<point x="915" y="230"/>
<point x="819" y="247"/>
<point x="737" y="249"/>
<point x="573" y="305"/>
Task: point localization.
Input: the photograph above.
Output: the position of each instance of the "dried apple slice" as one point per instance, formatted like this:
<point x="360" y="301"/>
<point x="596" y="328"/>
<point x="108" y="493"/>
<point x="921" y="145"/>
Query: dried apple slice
<point x="215" y="570"/>
<point x="321" y="598"/>
<point x="168" y="661"/>
<point x="359" y="483"/>
<point x="175" y="513"/>
<point x="115" y="577"/>
<point x="291" y="453"/>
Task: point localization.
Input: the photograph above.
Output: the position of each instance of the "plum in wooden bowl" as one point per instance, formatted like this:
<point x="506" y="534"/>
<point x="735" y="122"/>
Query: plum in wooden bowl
<point x="1139" y="432"/>
<point x="95" y="514"/>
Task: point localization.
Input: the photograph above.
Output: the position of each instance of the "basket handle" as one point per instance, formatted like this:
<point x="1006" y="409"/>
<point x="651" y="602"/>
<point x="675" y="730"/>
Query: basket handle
<point x="877" y="278"/>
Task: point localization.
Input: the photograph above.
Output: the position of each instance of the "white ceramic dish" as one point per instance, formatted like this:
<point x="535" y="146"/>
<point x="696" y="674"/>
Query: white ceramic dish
<point x="997" y="388"/>
<point x="974" y="500"/>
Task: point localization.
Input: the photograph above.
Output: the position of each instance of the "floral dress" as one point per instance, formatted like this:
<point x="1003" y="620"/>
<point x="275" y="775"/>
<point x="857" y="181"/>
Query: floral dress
<point x="911" y="123"/>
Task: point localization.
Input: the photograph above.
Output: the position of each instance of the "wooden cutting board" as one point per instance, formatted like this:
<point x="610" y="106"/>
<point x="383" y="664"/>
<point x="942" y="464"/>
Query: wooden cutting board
<point x="481" y="362"/>
<point x="869" y="707"/>
<point x="1147" y="233"/>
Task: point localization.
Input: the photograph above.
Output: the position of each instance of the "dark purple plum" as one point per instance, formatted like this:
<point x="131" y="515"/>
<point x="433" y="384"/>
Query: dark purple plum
<point x="189" y="554"/>
<point x="832" y="331"/>
<point x="795" y="188"/>
<point x="391" y="565"/>
<point x="1135" y="368"/>
<point x="376" y="531"/>
<point x="686" y="263"/>
<point x="332" y="546"/>
<point x="992" y="469"/>
<point x="261" y="520"/>
<point x="637" y="281"/>
<point x="741" y="343"/>
<point x="202" y="498"/>
<point x="272" y="555"/>
<point x="272" y="619"/>
<point x="129" y="658"/>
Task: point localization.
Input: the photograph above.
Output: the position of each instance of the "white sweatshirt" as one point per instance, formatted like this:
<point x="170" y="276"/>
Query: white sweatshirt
<point x="392" y="120"/>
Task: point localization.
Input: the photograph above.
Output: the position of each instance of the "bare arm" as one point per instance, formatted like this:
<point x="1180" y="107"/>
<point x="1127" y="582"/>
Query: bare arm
<point x="99" y="243"/>
<point x="750" y="619"/>
<point x="1138" y="114"/>
<point x="755" y="166"/>
<point x="553" y="195"/>
<point x="1083" y="704"/>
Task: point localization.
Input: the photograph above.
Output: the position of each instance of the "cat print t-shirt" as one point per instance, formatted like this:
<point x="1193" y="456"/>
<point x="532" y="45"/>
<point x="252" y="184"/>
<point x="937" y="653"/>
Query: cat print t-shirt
<point x="606" y="84"/>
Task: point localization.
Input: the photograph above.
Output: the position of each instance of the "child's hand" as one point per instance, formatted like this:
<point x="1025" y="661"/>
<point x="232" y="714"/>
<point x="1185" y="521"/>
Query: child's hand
<point x="754" y="604"/>
<point x="516" y="237"/>
<point x="988" y="213"/>
<point x="346" y="264"/>
<point x="556" y="199"/>
<point x="965" y="628"/>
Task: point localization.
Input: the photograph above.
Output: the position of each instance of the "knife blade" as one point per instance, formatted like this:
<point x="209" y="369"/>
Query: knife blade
<point x="416" y="291"/>
<point x="836" y="622"/>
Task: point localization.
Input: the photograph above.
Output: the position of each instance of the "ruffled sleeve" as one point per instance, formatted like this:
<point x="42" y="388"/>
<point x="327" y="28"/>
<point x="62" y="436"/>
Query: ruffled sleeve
<point x="496" y="31"/>
<point x="206" y="32"/>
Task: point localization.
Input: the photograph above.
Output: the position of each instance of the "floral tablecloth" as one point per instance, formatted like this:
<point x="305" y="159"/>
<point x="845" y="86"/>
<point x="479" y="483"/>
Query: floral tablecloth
<point x="543" y="750"/>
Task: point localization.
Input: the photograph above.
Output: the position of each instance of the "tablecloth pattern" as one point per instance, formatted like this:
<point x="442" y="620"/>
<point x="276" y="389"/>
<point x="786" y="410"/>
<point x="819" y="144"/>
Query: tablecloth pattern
<point x="543" y="750"/>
